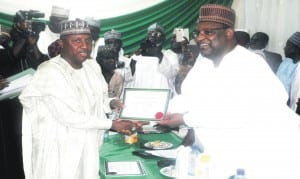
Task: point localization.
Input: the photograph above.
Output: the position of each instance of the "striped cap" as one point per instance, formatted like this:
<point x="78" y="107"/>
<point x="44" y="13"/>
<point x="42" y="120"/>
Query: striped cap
<point x="71" y="27"/>
<point x="295" y="39"/>
<point x="113" y="34"/>
<point x="106" y="51"/>
<point x="217" y="13"/>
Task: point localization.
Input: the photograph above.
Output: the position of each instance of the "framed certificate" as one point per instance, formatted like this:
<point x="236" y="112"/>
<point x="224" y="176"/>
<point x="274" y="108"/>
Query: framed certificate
<point x="145" y="104"/>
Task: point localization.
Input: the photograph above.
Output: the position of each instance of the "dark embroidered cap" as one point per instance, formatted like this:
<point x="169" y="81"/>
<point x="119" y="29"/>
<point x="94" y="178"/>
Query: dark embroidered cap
<point x="217" y="13"/>
<point x="295" y="39"/>
<point x="71" y="27"/>
<point x="106" y="52"/>
<point x="156" y="26"/>
<point x="113" y="34"/>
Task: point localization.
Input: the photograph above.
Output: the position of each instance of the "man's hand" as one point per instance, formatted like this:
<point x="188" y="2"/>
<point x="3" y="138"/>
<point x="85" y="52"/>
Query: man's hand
<point x="3" y="83"/>
<point x="116" y="104"/>
<point x="127" y="126"/>
<point x="123" y="126"/>
<point x="172" y="120"/>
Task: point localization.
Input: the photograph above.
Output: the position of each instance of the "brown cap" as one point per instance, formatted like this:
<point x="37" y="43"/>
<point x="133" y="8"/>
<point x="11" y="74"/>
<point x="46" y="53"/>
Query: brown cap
<point x="217" y="13"/>
<point x="71" y="27"/>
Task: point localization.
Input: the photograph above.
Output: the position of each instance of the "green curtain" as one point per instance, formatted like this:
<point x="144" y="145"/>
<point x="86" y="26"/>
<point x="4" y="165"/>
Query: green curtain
<point x="169" y="14"/>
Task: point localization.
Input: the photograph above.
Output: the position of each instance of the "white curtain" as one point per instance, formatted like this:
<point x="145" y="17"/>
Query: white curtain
<point x="278" y="18"/>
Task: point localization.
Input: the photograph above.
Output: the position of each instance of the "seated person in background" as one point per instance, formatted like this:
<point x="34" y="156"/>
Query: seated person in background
<point x="289" y="71"/>
<point x="242" y="38"/>
<point x="258" y="43"/>
<point x="160" y="70"/>
<point x="107" y="58"/>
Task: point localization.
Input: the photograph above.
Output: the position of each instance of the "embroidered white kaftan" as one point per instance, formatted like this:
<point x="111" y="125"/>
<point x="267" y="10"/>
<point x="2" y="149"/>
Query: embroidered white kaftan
<point x="63" y="120"/>
<point x="240" y="116"/>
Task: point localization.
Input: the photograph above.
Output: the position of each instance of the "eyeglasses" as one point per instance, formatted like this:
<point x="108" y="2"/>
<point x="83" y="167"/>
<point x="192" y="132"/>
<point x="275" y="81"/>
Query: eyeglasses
<point x="209" y="32"/>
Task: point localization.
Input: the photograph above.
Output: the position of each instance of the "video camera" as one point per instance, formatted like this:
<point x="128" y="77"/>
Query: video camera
<point x="34" y="26"/>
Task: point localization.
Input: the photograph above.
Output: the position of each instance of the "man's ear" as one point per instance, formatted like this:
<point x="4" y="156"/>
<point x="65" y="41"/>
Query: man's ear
<point x="60" y="42"/>
<point x="229" y="33"/>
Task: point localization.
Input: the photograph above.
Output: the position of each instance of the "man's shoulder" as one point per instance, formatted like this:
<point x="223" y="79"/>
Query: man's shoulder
<point x="274" y="55"/>
<point x="53" y="65"/>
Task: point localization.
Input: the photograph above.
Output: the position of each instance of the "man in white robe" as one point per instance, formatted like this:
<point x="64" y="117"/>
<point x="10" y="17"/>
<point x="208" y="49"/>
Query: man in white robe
<point x="64" y="111"/>
<point x="236" y="105"/>
<point x="51" y="32"/>
<point x="154" y="67"/>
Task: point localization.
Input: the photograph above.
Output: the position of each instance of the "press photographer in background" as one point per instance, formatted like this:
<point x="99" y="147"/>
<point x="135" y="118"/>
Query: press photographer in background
<point x="24" y="36"/>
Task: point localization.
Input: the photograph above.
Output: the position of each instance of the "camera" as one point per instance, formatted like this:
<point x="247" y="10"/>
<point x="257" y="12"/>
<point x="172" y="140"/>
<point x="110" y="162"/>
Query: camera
<point x="34" y="26"/>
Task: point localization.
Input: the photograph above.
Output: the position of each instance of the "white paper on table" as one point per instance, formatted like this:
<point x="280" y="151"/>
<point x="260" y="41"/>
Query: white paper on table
<point x="124" y="168"/>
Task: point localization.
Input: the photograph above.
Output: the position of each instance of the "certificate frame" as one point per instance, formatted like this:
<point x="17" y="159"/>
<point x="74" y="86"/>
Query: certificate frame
<point x="144" y="103"/>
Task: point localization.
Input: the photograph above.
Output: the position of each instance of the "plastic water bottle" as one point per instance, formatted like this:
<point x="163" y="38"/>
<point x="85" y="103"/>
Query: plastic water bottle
<point x="193" y="161"/>
<point x="192" y="164"/>
<point x="240" y="174"/>
<point x="181" y="168"/>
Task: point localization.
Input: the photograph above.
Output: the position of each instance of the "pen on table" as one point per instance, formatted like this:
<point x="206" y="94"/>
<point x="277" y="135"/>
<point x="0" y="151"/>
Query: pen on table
<point x="112" y="173"/>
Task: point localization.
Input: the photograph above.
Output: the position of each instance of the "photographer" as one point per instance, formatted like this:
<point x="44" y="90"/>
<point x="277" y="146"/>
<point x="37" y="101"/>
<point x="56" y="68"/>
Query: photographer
<point x="24" y="34"/>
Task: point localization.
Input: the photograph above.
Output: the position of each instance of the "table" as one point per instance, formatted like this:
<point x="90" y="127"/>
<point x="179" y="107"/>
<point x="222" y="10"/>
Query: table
<point x="114" y="149"/>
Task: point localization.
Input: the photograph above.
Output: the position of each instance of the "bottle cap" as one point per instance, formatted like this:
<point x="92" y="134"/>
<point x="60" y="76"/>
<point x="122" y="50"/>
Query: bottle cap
<point x="240" y="171"/>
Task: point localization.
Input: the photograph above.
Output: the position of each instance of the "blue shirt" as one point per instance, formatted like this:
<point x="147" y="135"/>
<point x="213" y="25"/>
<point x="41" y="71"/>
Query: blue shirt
<point x="286" y="73"/>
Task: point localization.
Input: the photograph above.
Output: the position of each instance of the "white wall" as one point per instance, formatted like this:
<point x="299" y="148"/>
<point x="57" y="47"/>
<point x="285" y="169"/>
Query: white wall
<point x="98" y="9"/>
<point x="278" y="18"/>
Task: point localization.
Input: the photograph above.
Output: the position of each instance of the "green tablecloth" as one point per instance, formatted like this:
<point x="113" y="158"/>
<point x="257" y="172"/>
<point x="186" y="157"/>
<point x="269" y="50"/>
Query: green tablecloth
<point x="116" y="150"/>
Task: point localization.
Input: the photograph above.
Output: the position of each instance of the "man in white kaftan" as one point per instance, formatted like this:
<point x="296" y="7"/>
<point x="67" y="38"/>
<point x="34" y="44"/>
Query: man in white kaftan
<point x="154" y="67"/>
<point x="240" y="116"/>
<point x="237" y="105"/>
<point x="64" y="112"/>
<point x="50" y="35"/>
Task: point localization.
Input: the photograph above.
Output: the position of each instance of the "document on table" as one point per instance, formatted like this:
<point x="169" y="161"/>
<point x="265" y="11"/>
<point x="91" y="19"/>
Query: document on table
<point x="124" y="168"/>
<point x="144" y="104"/>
